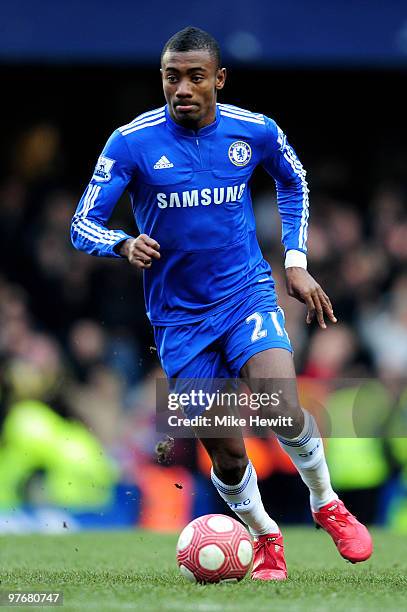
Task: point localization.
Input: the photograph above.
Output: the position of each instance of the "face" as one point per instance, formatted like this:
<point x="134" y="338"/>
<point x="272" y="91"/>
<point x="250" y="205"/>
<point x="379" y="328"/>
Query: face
<point x="191" y="80"/>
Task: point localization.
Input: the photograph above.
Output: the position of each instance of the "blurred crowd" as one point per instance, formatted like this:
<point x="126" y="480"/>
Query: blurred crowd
<point x="74" y="334"/>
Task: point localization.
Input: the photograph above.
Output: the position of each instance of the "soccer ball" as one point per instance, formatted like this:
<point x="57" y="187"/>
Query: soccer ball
<point x="214" y="548"/>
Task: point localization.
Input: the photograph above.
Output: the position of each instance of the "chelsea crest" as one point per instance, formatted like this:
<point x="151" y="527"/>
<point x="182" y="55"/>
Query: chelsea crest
<point x="240" y="153"/>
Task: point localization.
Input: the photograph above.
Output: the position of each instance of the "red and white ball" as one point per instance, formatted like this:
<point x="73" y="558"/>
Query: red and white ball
<point x="214" y="548"/>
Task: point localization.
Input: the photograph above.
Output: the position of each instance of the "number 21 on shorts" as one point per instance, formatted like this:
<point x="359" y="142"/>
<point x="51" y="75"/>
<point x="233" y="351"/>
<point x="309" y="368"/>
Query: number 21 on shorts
<point x="258" y="319"/>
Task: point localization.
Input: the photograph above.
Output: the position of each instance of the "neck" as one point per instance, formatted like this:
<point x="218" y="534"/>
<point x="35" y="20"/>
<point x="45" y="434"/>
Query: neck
<point x="199" y="123"/>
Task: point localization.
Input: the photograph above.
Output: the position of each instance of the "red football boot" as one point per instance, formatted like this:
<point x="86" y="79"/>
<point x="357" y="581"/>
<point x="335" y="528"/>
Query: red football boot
<point x="352" y="539"/>
<point x="268" y="558"/>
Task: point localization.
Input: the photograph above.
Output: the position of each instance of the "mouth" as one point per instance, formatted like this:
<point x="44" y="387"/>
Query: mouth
<point x="185" y="108"/>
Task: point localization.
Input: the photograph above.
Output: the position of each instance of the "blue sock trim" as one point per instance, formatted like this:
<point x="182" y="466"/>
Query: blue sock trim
<point x="233" y="491"/>
<point x="305" y="439"/>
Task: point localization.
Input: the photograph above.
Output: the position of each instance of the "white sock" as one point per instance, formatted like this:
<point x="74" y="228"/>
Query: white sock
<point x="307" y="454"/>
<point x="245" y="500"/>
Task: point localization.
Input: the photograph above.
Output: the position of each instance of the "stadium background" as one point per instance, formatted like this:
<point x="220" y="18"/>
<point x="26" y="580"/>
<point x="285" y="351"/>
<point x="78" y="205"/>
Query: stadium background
<point x="78" y="365"/>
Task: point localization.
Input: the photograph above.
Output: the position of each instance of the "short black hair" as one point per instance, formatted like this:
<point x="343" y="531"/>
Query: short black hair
<point x="192" y="39"/>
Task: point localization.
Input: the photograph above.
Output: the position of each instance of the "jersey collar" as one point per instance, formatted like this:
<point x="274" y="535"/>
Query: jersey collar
<point x="179" y="129"/>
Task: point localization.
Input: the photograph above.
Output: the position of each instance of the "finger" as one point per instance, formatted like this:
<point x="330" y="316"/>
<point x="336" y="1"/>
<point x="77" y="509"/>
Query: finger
<point x="140" y="265"/>
<point x="143" y="251"/>
<point x="319" y="310"/>
<point x="150" y="242"/>
<point x="311" y="309"/>
<point x="141" y="262"/>
<point x="326" y="298"/>
<point x="327" y="306"/>
<point x="330" y="314"/>
<point x="154" y="253"/>
<point x="146" y="261"/>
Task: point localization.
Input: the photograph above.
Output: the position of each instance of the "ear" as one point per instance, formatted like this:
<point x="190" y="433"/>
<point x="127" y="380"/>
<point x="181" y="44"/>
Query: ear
<point x="220" y="78"/>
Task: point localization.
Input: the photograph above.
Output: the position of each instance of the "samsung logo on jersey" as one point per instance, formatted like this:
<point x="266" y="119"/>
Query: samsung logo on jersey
<point x="203" y="197"/>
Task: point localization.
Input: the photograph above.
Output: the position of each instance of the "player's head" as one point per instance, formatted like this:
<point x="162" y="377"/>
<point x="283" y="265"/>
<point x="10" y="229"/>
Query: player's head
<point x="192" y="75"/>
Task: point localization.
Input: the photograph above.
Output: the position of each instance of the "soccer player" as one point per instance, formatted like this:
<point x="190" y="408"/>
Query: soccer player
<point x="209" y="292"/>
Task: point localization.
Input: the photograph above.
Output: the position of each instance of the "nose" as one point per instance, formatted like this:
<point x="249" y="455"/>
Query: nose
<point x="183" y="90"/>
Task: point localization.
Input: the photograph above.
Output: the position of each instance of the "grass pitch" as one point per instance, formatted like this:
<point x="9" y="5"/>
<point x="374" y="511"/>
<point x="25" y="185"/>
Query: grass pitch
<point x="136" y="570"/>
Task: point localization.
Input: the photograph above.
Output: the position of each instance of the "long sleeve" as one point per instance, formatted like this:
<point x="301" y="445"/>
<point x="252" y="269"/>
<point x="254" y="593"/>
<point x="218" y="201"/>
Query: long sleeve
<point x="114" y="170"/>
<point x="282" y="163"/>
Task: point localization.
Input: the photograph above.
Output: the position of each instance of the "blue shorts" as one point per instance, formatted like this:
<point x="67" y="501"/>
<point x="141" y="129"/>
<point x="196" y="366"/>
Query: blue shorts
<point x="220" y="345"/>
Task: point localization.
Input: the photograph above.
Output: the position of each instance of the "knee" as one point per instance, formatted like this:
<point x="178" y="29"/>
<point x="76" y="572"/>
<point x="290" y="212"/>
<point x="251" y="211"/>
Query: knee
<point x="283" y="399"/>
<point x="230" y="466"/>
<point x="284" y="402"/>
<point x="289" y="407"/>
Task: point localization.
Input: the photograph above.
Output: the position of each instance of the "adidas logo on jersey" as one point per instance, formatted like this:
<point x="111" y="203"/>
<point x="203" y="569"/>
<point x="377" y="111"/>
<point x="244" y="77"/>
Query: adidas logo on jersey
<point x="163" y="162"/>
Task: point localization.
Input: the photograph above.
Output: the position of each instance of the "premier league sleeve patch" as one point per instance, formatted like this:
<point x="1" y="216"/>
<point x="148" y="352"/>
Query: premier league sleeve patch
<point x="103" y="169"/>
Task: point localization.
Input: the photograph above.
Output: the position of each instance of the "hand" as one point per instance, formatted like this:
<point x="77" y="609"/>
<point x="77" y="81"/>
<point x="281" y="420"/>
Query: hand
<point x="140" y="251"/>
<point x="304" y="288"/>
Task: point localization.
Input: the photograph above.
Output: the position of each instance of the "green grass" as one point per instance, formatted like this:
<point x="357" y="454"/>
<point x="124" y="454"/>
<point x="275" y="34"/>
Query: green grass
<point x="136" y="571"/>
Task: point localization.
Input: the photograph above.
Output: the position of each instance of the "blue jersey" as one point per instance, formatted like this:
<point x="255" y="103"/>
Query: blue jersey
<point x="190" y="191"/>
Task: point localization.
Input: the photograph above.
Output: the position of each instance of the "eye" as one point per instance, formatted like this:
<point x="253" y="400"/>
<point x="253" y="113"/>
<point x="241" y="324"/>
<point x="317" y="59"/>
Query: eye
<point x="197" y="79"/>
<point x="171" y="78"/>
